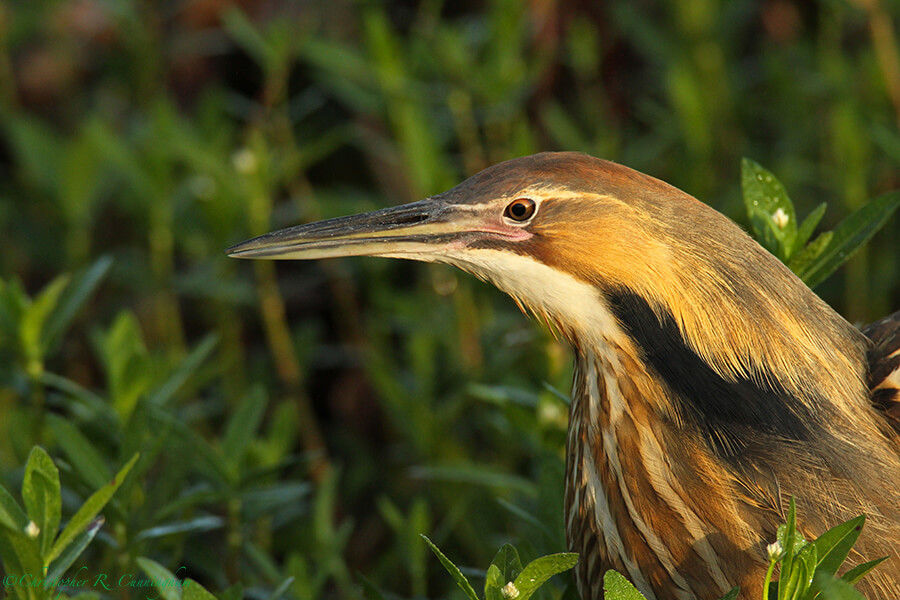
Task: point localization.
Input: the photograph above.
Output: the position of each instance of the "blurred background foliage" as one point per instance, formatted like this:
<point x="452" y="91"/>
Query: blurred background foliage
<point x="304" y="422"/>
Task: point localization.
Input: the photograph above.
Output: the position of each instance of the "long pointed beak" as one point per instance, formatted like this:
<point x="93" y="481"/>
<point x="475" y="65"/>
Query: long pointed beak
<point x="417" y="231"/>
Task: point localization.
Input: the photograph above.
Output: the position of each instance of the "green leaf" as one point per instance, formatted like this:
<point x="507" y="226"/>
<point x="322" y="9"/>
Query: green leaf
<point x="247" y="36"/>
<point x="166" y="584"/>
<point x="835" y="589"/>
<point x="476" y="475"/>
<point x="806" y="229"/>
<point x="538" y="571"/>
<point x="616" y="587"/>
<point x="11" y="514"/>
<point x="372" y="592"/>
<point x="732" y="594"/>
<point x="493" y="584"/>
<point x="35" y="318"/>
<point x="72" y="300"/>
<point x="508" y="562"/>
<point x="91" y="507"/>
<point x="834" y="545"/>
<point x="59" y="566"/>
<point x="860" y="571"/>
<point x="243" y="425"/>
<point x="191" y="363"/>
<point x="454" y="571"/>
<point x="281" y="589"/>
<point x="194" y="591"/>
<point x="21" y="555"/>
<point x="770" y="210"/>
<point x="42" y="497"/>
<point x="86" y="460"/>
<point x="808" y="557"/>
<point x="785" y="537"/>
<point x="849" y="235"/>
<point x="197" y="524"/>
<point x="801" y="262"/>
<point x="127" y="363"/>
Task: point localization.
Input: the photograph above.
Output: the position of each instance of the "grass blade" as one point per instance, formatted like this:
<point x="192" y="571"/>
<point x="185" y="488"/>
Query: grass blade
<point x="454" y="571"/>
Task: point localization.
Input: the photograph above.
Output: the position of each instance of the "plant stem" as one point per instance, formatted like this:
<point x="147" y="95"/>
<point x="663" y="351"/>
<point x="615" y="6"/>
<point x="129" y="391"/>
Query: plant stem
<point x="768" y="579"/>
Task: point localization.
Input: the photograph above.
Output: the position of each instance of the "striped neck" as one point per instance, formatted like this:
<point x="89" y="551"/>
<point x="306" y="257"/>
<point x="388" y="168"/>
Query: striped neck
<point x="626" y="481"/>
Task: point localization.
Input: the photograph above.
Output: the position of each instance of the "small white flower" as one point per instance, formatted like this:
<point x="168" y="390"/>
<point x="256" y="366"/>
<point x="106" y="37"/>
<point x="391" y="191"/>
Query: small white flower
<point x="244" y="161"/>
<point x="32" y="530"/>
<point x="775" y="550"/>
<point x="780" y="218"/>
<point x="510" y="591"/>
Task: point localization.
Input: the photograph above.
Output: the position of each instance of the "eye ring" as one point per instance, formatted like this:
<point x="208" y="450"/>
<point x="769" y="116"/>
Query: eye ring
<point x="520" y="209"/>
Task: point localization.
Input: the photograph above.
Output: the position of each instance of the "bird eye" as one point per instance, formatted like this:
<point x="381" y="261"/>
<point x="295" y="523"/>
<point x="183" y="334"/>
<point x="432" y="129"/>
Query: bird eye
<point x="520" y="209"/>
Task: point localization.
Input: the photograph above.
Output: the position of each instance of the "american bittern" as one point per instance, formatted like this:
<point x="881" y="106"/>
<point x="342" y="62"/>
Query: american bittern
<point x="711" y="384"/>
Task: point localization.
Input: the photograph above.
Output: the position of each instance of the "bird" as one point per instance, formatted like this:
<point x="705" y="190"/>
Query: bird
<point x="711" y="384"/>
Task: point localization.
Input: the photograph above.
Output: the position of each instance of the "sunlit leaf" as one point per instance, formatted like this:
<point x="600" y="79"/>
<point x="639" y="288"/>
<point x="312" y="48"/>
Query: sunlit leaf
<point x="770" y="210"/>
<point x="616" y="587"/>
<point x="538" y="571"/>
<point x="834" y="545"/>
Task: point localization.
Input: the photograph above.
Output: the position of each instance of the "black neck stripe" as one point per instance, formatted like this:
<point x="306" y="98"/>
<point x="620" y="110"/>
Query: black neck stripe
<point x="732" y="415"/>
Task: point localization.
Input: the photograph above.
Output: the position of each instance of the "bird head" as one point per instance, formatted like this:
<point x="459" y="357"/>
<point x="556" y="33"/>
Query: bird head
<point x="607" y="255"/>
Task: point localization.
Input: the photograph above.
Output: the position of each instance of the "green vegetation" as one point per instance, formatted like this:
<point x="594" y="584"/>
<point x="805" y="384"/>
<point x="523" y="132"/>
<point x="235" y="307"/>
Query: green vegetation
<point x="299" y="425"/>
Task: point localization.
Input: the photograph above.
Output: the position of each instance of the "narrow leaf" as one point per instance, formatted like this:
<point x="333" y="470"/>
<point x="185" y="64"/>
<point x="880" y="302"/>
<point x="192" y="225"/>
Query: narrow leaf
<point x="850" y="234"/>
<point x="20" y="555"/>
<point x="247" y="36"/>
<point x="834" y="545"/>
<point x="86" y="460"/>
<point x="198" y="524"/>
<point x="860" y="571"/>
<point x="243" y="425"/>
<point x="616" y="587"/>
<point x="194" y="591"/>
<point x="454" y="571"/>
<point x="73" y="298"/>
<point x="92" y="506"/>
<point x="372" y="592"/>
<point x="42" y="497"/>
<point x="785" y="537"/>
<point x="806" y="229"/>
<point x="281" y="589"/>
<point x="801" y="262"/>
<point x="59" y="566"/>
<point x="11" y="514"/>
<point x="538" y="571"/>
<point x="190" y="364"/>
<point x="166" y="584"/>
<point x="35" y="318"/>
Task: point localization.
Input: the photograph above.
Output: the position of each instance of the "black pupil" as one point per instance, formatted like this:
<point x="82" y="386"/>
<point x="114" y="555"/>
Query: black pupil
<point x="520" y="210"/>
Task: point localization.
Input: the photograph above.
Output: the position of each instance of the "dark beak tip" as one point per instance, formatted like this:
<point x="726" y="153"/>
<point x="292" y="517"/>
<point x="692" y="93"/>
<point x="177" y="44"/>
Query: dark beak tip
<point x="240" y="249"/>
